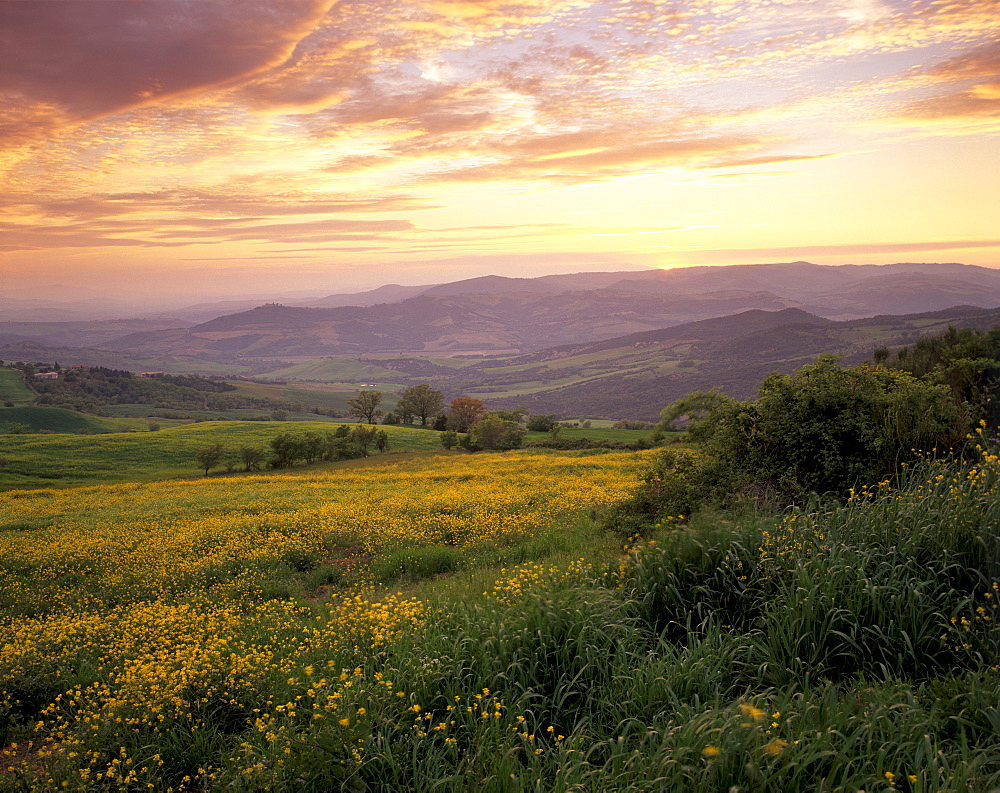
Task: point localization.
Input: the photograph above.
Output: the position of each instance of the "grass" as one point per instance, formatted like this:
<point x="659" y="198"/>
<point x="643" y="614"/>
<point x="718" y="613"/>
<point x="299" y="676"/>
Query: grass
<point x="35" y="418"/>
<point x="12" y="387"/>
<point x="63" y="460"/>
<point x="838" y="647"/>
<point x="596" y="433"/>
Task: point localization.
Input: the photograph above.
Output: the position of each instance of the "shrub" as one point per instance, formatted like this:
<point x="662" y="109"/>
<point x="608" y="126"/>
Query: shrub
<point x="821" y="429"/>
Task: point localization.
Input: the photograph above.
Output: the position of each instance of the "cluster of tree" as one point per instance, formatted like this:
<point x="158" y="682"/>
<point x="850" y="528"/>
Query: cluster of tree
<point x="417" y="402"/>
<point x="290" y="448"/>
<point x="497" y="430"/>
<point x="822" y="429"/>
<point x="628" y="424"/>
<point x="967" y="361"/>
<point x="87" y="390"/>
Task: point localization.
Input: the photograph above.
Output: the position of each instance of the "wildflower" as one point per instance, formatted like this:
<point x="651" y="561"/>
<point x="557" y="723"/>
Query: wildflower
<point x="750" y="712"/>
<point x="711" y="751"/>
<point x="775" y="746"/>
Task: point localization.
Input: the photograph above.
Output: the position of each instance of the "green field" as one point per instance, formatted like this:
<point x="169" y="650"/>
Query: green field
<point x="12" y="387"/>
<point x="325" y="395"/>
<point x="59" y="420"/>
<point x="64" y="460"/>
<point x="453" y="622"/>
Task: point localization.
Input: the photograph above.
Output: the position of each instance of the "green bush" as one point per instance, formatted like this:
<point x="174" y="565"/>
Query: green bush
<point x="822" y="429"/>
<point x="420" y="562"/>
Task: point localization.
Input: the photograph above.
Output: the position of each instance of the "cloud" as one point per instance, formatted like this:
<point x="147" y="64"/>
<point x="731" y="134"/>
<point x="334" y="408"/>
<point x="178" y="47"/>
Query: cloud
<point x="67" y="59"/>
<point x="312" y="122"/>
<point x="851" y="249"/>
<point x="971" y="84"/>
<point x="188" y="231"/>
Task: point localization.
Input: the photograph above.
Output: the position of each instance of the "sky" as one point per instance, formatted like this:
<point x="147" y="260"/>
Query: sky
<point x="209" y="148"/>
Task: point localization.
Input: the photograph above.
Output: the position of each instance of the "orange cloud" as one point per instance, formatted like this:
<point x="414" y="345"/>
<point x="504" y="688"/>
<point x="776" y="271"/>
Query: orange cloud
<point x="85" y="60"/>
<point x="972" y="81"/>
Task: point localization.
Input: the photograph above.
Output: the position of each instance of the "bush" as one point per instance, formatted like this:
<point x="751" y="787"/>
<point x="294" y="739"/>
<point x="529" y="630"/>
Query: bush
<point x="495" y="433"/>
<point x="821" y="429"/>
<point x="542" y="423"/>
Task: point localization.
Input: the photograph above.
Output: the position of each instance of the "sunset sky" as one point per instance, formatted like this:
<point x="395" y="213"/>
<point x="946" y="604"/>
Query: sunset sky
<point x="218" y="147"/>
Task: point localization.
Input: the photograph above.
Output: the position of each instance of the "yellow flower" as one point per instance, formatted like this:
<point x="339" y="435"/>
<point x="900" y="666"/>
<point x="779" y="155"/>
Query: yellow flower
<point x="775" y="746"/>
<point x="750" y="712"/>
<point x="711" y="751"/>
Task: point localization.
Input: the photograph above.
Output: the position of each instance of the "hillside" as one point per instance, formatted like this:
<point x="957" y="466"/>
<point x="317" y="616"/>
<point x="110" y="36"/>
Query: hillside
<point x="63" y="460"/>
<point x="493" y="315"/>
<point x="487" y="322"/>
<point x="732" y="354"/>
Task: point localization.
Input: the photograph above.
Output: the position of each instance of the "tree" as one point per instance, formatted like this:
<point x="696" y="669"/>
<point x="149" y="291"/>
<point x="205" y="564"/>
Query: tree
<point x="252" y="457"/>
<point x="363" y="437"/>
<point x="449" y="439"/>
<point x="312" y="445"/>
<point x="210" y="456"/>
<point x="496" y="433"/>
<point x="286" y="448"/>
<point x="422" y="401"/>
<point x="365" y="406"/>
<point x="382" y="441"/>
<point x="966" y="360"/>
<point x="517" y="416"/>
<point x="542" y="422"/>
<point x="820" y="429"/>
<point x="464" y="412"/>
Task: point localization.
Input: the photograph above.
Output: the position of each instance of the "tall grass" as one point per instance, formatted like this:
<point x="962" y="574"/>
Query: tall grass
<point x="840" y="647"/>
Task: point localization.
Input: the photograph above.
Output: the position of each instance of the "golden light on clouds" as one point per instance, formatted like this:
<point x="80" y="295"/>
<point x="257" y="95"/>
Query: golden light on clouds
<point x="339" y="144"/>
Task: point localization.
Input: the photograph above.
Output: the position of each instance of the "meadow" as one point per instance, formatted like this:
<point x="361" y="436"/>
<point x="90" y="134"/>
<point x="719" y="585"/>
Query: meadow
<point x="70" y="459"/>
<point x="470" y="622"/>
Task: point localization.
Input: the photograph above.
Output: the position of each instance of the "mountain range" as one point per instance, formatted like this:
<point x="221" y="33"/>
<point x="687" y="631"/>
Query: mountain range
<point x="584" y="344"/>
<point x="494" y="315"/>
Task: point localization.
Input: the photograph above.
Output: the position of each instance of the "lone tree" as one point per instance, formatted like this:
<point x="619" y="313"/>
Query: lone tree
<point x="210" y="456"/>
<point x="464" y="412"/>
<point x="252" y="457"/>
<point x="421" y="400"/>
<point x="495" y="433"/>
<point x="365" y="406"/>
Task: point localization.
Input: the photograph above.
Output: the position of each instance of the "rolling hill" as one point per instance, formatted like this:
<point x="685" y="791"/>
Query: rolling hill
<point x="637" y="375"/>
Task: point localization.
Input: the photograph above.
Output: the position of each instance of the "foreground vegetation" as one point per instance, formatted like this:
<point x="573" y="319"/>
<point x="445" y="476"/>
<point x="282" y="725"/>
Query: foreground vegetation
<point x="251" y="633"/>
<point x="585" y="619"/>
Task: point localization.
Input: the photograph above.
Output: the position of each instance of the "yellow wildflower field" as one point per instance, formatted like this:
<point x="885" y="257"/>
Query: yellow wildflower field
<point x="132" y="607"/>
<point x="163" y="539"/>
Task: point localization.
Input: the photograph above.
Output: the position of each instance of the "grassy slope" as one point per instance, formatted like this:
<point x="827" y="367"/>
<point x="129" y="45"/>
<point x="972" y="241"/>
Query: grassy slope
<point x="12" y="387"/>
<point x="47" y="460"/>
<point x="68" y="421"/>
<point x="324" y="395"/>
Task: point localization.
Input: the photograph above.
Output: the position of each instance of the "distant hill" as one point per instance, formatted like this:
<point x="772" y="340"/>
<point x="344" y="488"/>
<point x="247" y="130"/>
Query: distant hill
<point x="486" y="322"/>
<point x="637" y="375"/>
<point x="495" y="314"/>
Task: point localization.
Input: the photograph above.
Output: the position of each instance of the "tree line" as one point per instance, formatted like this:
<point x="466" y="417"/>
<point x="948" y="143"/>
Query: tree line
<point x="290" y="448"/>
